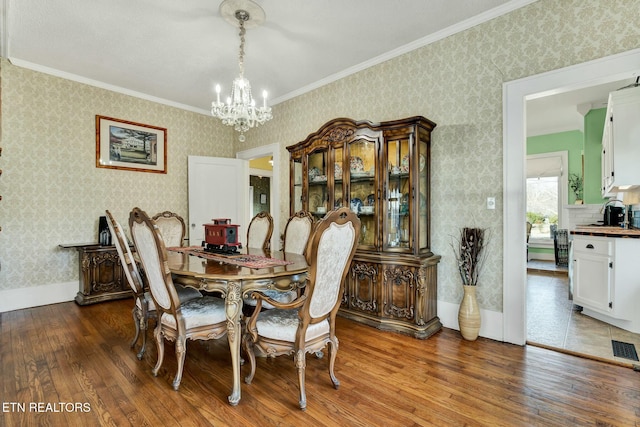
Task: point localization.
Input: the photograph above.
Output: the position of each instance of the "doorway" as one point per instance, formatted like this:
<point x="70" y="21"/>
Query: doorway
<point x="515" y="95"/>
<point x="270" y="153"/>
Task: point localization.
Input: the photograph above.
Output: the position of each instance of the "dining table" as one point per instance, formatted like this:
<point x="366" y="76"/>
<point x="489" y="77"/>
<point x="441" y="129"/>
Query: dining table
<point x="234" y="277"/>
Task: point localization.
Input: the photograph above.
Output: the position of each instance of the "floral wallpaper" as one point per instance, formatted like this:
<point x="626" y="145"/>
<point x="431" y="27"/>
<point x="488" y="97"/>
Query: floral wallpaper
<point x="53" y="193"/>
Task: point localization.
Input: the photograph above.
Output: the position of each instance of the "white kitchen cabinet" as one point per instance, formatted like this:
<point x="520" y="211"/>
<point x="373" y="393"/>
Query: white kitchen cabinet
<point x="592" y="273"/>
<point x="621" y="141"/>
<point x="606" y="279"/>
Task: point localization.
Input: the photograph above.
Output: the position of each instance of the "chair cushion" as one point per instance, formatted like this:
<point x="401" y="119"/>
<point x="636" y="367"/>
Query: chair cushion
<point x="199" y="312"/>
<point x="283" y="324"/>
<point x="185" y="294"/>
<point x="280" y="296"/>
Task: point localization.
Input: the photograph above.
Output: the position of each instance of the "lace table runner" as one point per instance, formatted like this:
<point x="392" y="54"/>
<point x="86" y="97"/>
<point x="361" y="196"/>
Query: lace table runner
<point x="249" y="261"/>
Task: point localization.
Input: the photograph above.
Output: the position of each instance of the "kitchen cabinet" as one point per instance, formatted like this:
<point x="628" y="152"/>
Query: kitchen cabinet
<point x="621" y="141"/>
<point x="592" y="273"/>
<point x="605" y="279"/>
<point x="382" y="172"/>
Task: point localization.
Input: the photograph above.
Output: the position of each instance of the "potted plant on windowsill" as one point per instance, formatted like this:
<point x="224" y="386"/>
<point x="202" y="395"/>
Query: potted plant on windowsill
<point x="575" y="183"/>
<point x="470" y="252"/>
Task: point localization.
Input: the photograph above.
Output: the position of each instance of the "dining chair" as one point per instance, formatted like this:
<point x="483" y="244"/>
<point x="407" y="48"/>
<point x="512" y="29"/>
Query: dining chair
<point x="307" y="324"/>
<point x="198" y="319"/>
<point x="259" y="231"/>
<point x="172" y="228"/>
<point x="143" y="308"/>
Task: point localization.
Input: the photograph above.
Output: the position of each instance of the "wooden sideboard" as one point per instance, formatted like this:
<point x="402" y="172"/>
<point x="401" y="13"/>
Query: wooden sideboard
<point x="101" y="277"/>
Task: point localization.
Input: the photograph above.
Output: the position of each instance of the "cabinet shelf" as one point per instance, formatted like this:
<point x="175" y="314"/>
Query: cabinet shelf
<point x="392" y="283"/>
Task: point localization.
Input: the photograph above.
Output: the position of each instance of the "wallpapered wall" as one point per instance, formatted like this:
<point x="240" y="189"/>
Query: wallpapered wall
<point x="457" y="83"/>
<point x="52" y="192"/>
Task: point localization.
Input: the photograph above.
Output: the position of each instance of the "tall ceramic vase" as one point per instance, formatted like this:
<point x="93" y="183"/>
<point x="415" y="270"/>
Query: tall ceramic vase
<point x="469" y="314"/>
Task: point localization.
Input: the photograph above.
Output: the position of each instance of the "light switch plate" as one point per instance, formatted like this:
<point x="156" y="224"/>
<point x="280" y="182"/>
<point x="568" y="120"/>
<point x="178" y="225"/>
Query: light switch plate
<point x="491" y="202"/>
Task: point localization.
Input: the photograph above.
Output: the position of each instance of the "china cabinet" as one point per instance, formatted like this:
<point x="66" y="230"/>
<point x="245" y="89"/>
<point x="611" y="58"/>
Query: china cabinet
<point x="381" y="171"/>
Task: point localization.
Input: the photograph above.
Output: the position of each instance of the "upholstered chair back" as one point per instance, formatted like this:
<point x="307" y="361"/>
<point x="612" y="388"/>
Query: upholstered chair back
<point x="172" y="228"/>
<point x="297" y="232"/>
<point x="152" y="253"/>
<point x="129" y="265"/>
<point x="260" y="230"/>
<point x="333" y="246"/>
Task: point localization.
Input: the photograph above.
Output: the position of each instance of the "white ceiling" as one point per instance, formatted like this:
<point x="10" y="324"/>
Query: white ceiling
<point x="565" y="110"/>
<point x="175" y="52"/>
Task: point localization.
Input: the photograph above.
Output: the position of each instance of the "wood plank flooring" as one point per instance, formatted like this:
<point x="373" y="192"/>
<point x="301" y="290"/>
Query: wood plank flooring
<point x="68" y="365"/>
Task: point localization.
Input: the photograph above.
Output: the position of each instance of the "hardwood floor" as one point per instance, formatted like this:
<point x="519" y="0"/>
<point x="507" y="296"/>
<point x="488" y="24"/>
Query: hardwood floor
<point x="77" y="361"/>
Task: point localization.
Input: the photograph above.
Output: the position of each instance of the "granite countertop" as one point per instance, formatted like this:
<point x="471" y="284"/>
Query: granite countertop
<point x="594" y="230"/>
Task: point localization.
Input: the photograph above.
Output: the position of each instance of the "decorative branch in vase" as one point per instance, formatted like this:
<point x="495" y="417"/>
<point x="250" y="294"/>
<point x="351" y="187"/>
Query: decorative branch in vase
<point x="470" y="252"/>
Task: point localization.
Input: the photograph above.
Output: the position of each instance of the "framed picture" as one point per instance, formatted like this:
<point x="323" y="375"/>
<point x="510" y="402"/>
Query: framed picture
<point x="130" y="146"/>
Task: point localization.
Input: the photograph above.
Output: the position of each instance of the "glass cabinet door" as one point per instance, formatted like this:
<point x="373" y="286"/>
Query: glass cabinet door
<point x="338" y="175"/>
<point x="423" y="196"/>
<point x="318" y="194"/>
<point x="397" y="230"/>
<point x="362" y="188"/>
<point x="296" y="191"/>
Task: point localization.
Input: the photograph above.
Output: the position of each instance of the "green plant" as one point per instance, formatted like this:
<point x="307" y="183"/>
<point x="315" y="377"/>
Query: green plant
<point x="535" y="217"/>
<point x="575" y="183"/>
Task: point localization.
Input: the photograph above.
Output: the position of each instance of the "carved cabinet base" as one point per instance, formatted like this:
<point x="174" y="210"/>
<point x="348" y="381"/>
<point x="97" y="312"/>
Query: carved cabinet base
<point x="393" y="293"/>
<point x="101" y="277"/>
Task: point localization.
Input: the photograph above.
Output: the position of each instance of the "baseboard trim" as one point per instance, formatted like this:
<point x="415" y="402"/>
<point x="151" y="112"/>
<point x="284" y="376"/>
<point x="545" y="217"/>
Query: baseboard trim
<point x="18" y="299"/>
<point x="490" y="323"/>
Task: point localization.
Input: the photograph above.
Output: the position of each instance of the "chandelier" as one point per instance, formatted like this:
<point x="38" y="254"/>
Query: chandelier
<point x="240" y="110"/>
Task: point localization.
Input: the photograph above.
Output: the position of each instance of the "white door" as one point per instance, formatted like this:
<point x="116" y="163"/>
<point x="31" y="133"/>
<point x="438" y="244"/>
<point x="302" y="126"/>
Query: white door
<point x="218" y="188"/>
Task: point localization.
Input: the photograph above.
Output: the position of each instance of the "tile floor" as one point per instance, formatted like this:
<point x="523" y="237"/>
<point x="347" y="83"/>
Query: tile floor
<point x="553" y="322"/>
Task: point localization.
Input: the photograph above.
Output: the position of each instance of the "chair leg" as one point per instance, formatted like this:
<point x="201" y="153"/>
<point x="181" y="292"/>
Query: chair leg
<point x="300" y="362"/>
<point x="157" y="333"/>
<point x="136" y="321"/>
<point x="248" y="350"/>
<point x="181" y="351"/>
<point x="333" y="351"/>
<point x="144" y="325"/>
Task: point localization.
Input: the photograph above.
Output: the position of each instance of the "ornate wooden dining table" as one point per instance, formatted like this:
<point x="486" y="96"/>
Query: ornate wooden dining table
<point x="234" y="281"/>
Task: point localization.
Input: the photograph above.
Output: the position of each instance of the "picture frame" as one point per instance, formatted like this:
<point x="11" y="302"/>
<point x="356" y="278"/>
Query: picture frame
<point x="125" y="145"/>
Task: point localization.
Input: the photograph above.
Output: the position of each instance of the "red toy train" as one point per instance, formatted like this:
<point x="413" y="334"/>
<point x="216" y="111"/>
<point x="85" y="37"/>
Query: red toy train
<point x="221" y="236"/>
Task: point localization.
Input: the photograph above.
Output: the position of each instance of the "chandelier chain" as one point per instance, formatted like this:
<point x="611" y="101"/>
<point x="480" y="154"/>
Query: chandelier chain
<point x="241" y="18"/>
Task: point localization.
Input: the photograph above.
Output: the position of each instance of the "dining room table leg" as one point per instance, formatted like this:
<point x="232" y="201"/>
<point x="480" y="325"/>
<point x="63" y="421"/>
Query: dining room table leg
<point x="233" y="309"/>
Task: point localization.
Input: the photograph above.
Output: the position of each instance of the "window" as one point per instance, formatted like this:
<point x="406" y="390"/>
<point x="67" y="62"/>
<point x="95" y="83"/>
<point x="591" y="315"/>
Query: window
<point x="542" y="206"/>
<point x="546" y="193"/>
